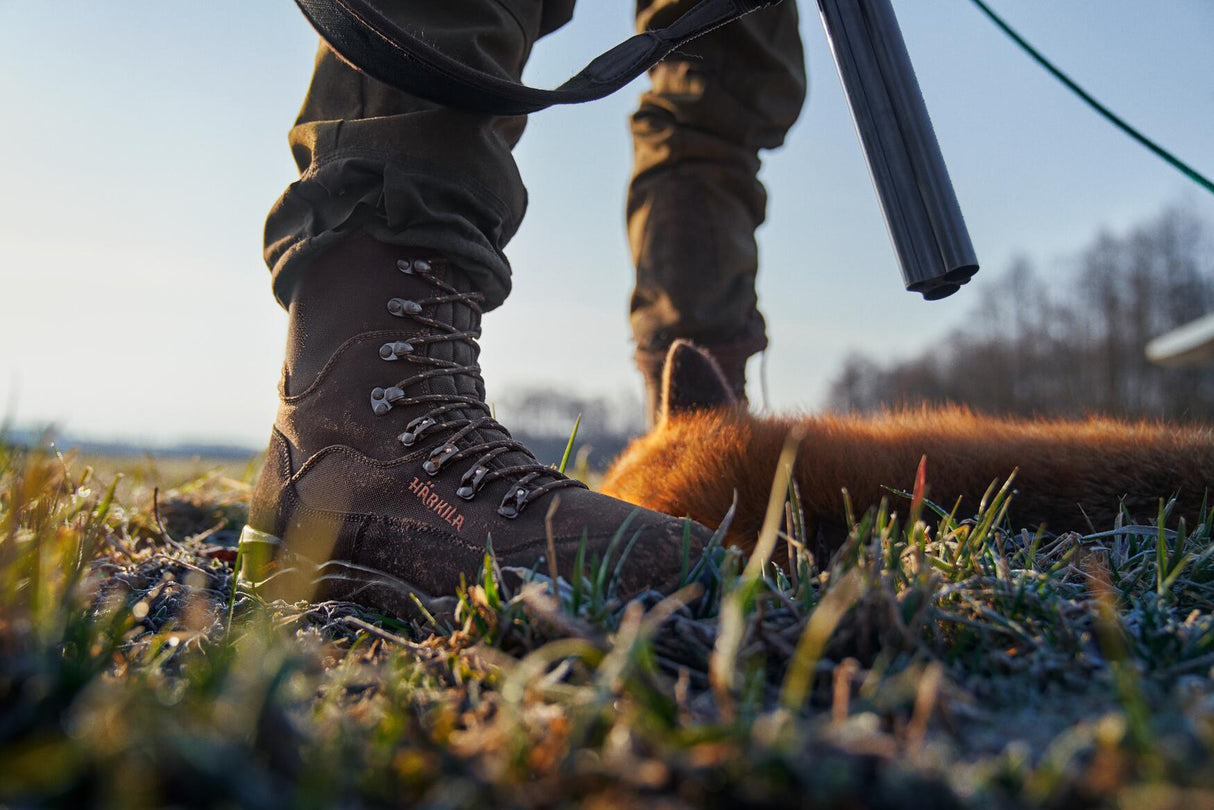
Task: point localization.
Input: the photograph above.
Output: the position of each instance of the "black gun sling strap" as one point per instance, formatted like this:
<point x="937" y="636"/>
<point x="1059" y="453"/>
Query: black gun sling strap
<point x="361" y="35"/>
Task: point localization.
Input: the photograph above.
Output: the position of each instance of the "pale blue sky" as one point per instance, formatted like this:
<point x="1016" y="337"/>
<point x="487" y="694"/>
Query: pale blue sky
<point x="143" y="143"/>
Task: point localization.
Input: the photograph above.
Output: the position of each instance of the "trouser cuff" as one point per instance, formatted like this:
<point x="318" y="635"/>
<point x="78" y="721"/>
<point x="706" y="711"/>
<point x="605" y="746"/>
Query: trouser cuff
<point x="397" y="201"/>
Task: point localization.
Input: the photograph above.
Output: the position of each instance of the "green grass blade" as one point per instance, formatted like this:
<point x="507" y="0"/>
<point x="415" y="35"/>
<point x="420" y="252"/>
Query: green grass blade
<point x="722" y="664"/>
<point x="227" y="633"/>
<point x="569" y="446"/>
<point x="579" y="575"/>
<point x="601" y="575"/>
<point x="818" y="630"/>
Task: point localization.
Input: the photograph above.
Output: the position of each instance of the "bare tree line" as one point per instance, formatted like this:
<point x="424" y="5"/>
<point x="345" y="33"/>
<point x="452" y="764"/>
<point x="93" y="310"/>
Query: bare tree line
<point x="1069" y="341"/>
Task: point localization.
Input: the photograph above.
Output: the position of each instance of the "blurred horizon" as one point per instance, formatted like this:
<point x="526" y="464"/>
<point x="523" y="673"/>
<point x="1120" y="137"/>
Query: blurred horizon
<point x="152" y="140"/>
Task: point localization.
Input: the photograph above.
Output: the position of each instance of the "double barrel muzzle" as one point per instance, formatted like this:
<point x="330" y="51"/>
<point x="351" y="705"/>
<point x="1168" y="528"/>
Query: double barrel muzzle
<point x="921" y="211"/>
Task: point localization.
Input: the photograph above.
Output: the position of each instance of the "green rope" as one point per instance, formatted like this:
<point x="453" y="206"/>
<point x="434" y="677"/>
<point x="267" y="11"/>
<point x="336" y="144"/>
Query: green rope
<point x="1108" y="114"/>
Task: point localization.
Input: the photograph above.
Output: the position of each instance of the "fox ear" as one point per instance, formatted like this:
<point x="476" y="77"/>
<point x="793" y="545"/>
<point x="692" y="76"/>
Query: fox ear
<point x="692" y="381"/>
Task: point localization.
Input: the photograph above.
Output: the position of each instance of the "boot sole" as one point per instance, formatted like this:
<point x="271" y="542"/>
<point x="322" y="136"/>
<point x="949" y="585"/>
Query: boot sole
<point x="277" y="573"/>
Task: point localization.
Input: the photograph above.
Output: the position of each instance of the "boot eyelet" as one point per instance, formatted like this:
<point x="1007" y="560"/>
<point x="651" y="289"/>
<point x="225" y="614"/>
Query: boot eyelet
<point x="512" y="505"/>
<point x="394" y="351"/>
<point x="400" y="307"/>
<point x="382" y="399"/>
<point x="439" y="457"/>
<point x="415" y="429"/>
<point x="471" y="482"/>
<point x="415" y="266"/>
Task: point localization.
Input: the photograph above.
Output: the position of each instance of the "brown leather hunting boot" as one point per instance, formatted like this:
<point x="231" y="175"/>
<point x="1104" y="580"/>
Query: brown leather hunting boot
<point x="386" y="476"/>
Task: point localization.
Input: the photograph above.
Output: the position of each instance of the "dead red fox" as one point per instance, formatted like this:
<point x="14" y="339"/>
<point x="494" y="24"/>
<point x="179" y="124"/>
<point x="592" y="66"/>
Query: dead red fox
<point x="1071" y="474"/>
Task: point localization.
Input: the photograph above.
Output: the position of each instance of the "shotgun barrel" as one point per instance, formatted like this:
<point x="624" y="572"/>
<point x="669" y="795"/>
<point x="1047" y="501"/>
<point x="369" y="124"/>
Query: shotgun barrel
<point x="913" y="187"/>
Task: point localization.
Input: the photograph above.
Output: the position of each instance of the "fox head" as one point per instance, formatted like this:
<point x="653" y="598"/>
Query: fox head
<point x="695" y="459"/>
<point x="706" y="451"/>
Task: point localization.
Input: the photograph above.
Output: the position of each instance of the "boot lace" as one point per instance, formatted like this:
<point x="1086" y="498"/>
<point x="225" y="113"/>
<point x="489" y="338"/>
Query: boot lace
<point x="448" y="412"/>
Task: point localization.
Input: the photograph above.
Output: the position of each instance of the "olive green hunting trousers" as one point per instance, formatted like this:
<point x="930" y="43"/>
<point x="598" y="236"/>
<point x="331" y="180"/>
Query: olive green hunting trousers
<point x="415" y="173"/>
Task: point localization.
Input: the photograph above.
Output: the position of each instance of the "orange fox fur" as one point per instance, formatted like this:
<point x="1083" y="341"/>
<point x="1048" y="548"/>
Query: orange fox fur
<point x="1069" y="472"/>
